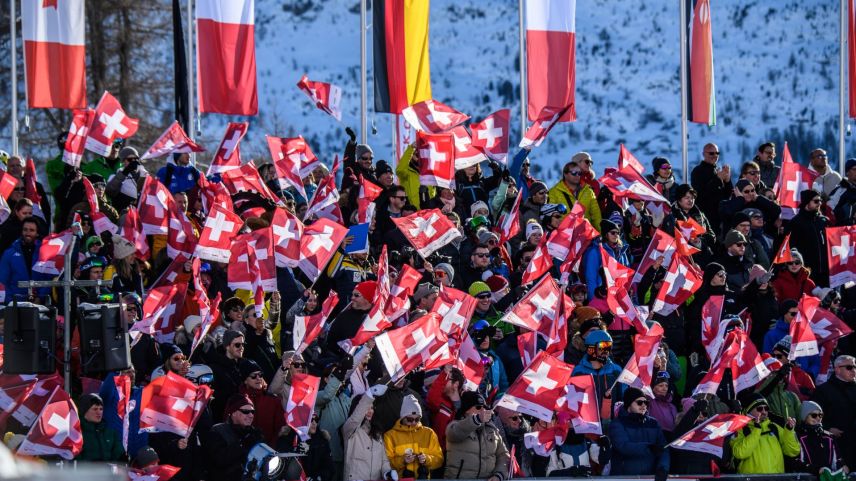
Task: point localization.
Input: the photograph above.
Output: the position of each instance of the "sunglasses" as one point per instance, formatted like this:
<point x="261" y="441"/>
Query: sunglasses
<point x="665" y="167"/>
<point x="526" y="260"/>
<point x="793" y="313"/>
<point x="484" y="295"/>
<point x="238" y="345"/>
<point x="247" y="411"/>
<point x="815" y="415"/>
<point x="795" y="263"/>
<point x="482" y="255"/>
<point x="762" y="409"/>
<point x="573" y="172"/>
<point x="440" y="274"/>
<point x="315" y="419"/>
<point x="753" y="172"/>
<point x="749" y="191"/>
<point x="613" y="232"/>
<point x="641" y="402"/>
<point x="399" y="197"/>
<point x="410" y="420"/>
<point x="813" y="201"/>
<point x="849" y="367"/>
<point x="603" y="345"/>
<point x="255" y="375"/>
<point x="298" y="364"/>
<point x="712" y="153"/>
<point x="366" y="158"/>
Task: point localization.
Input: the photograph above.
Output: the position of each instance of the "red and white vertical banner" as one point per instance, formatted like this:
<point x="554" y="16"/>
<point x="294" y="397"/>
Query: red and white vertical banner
<point x="551" y="56"/>
<point x="702" y="100"/>
<point x="55" y="53"/>
<point x="226" y="56"/>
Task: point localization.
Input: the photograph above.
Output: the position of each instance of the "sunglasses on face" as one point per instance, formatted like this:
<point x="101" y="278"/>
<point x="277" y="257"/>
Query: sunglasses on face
<point x="514" y="418"/>
<point x="366" y="158"/>
<point x="849" y="367"/>
<point x="298" y="364"/>
<point x="315" y="419"/>
<point x="792" y="313"/>
<point x="238" y="345"/>
<point x="255" y="375"/>
<point x="613" y="232"/>
<point x="248" y="412"/>
<point x="573" y="172"/>
<point x="813" y="201"/>
<point x="816" y="415"/>
<point x="526" y="260"/>
<point x="440" y="274"/>
<point x="410" y="420"/>
<point x="762" y="409"/>
<point x="481" y="254"/>
<point x="641" y="402"/>
<point x="795" y="263"/>
<point x="749" y="191"/>
<point x="753" y="172"/>
<point x="484" y="295"/>
<point x="712" y="153"/>
<point x="665" y="167"/>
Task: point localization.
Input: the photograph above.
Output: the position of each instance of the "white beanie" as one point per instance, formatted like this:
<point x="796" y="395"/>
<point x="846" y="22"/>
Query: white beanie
<point x="532" y="227"/>
<point x="479" y="204"/>
<point x="410" y="407"/>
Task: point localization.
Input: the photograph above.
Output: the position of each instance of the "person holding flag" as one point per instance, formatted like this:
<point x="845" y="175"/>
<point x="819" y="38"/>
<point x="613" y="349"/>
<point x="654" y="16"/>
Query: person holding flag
<point x="762" y="445"/>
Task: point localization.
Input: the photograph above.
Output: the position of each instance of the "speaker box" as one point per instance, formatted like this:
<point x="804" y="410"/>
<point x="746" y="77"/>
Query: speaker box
<point x="29" y="339"/>
<point x="104" y="339"/>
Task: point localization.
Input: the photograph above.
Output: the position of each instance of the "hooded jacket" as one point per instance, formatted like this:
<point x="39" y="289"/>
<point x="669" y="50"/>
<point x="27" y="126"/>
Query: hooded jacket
<point x="638" y="445"/>
<point x="417" y="438"/>
<point x="761" y="448"/>
<point x="475" y="450"/>
<point x="100" y="443"/>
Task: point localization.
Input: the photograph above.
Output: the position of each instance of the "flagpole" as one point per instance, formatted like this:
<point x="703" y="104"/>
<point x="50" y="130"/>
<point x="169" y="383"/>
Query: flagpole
<point x="190" y="93"/>
<point x="683" y="37"/>
<point x="842" y="62"/>
<point x="363" y="87"/>
<point x="521" y="45"/>
<point x="14" y="69"/>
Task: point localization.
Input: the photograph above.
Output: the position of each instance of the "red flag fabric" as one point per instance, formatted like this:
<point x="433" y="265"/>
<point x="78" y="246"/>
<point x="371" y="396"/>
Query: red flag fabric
<point x="172" y="404"/>
<point x="492" y="135"/>
<point x="220" y="228"/>
<point x="551" y="57"/>
<point x="29" y="402"/>
<point x="228" y="153"/>
<point x="427" y="230"/>
<point x="57" y="430"/>
<point x="318" y="243"/>
<point x="208" y="319"/>
<point x="432" y="116"/>
<point x="539" y="308"/>
<point x="662" y="245"/>
<point x="31" y="191"/>
<point x="803" y="340"/>
<point x="307" y="328"/>
<point x="627" y="183"/>
<point x="325" y="202"/>
<point x="54" y="36"/>
<point x="571" y="239"/>
<point x="123" y="405"/>
<point x="466" y="154"/>
<point x="182" y="236"/>
<point x="543" y="124"/>
<point x="75" y="143"/>
<point x="226" y="56"/>
<point x="639" y="371"/>
<point x="286" y="161"/>
<point x="840" y="243"/>
<point x="712" y="330"/>
<point x="580" y="401"/>
<point x="702" y="103"/>
<point x="509" y="224"/>
<point x="287" y="231"/>
<point x="538" y="389"/>
<point x="828" y="327"/>
<point x="158" y="472"/>
<point x="404" y="349"/>
<point x="682" y="245"/>
<point x="455" y="308"/>
<point x="626" y="159"/>
<point x="681" y="281"/>
<point x="437" y="159"/>
<point x="376" y="321"/>
<point x="690" y="229"/>
<point x="154" y="206"/>
<point x="52" y="253"/>
<point x="108" y="124"/>
<point x="369" y="192"/>
<point x="161" y="310"/>
<point x="14" y="390"/>
<point x="543" y="441"/>
<point x="709" y="436"/>
<point x="540" y="264"/>
<point x="793" y="179"/>
<point x="173" y="140"/>
<point x="327" y="97"/>
<point x="246" y="178"/>
<point x="300" y="404"/>
<point x="241" y="274"/>
<point x="783" y="255"/>
<point x="8" y="182"/>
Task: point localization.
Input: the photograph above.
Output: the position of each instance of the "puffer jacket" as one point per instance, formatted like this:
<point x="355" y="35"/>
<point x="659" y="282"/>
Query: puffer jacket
<point x="762" y="449"/>
<point x="100" y="443"/>
<point x="420" y="440"/>
<point x="560" y="194"/>
<point x="635" y="439"/>
<point x="332" y="406"/>
<point x="365" y="457"/>
<point x="270" y="417"/>
<point x="792" y="286"/>
<point x="475" y="450"/>
<point x="603" y="378"/>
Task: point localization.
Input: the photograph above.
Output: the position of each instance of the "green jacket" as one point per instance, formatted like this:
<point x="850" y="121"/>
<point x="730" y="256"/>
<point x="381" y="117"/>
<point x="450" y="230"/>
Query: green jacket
<point x="761" y="450"/>
<point x="99" y="166"/>
<point x="100" y="443"/>
<point x="782" y="402"/>
<point x="560" y="194"/>
<point x="55" y="170"/>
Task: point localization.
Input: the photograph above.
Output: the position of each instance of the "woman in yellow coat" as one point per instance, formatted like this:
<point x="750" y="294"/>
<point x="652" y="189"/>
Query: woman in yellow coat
<point x="413" y="449"/>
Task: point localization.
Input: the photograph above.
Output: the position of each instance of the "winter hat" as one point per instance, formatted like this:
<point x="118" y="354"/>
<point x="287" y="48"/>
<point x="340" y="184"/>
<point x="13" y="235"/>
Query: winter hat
<point x="367" y="289"/>
<point x="190" y="323"/>
<point x="122" y="247"/>
<point x="682" y="190"/>
<point x="660" y="378"/>
<point x="783" y="345"/>
<point x="424" y="290"/>
<point x="247" y="367"/>
<point x="849" y="164"/>
<point x="230" y="336"/>
<point x="786" y="306"/>
<point x="496" y="283"/>
<point x="94" y="240"/>
<point x="382" y="167"/>
<point x="809" y="407"/>
<point x="478" y="205"/>
<point x="738" y="218"/>
<point x="711" y="270"/>
<point x="752" y="212"/>
<point x="168" y="350"/>
<point x="631" y="394"/>
<point x="447" y="268"/>
<point x="478" y="287"/>
<point x="658" y="163"/>
<point x="410" y="407"/>
<point x="807" y="195"/>
<point x="94" y="261"/>
<point x="485" y="236"/>
<point x="235" y="402"/>
<point x="753" y="400"/>
<point x="733" y="237"/>
<point x="468" y="400"/>
<point x="362" y="149"/>
<point x="128" y="152"/>
<point x="87" y="401"/>
<point x="549" y="209"/>
<point x="146" y="456"/>
<point x="579" y="157"/>
<point x="533" y="227"/>
<point x="742" y="184"/>
<point x="536" y="187"/>
<point x="795" y="254"/>
<point x="607" y="225"/>
<point x="617" y="217"/>
<point x="585" y="313"/>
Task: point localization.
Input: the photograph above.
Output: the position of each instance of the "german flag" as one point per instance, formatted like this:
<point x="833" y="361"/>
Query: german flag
<point x="402" y="70"/>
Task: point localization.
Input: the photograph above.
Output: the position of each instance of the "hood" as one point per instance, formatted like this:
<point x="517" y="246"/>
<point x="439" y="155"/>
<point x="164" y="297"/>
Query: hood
<point x="406" y="429"/>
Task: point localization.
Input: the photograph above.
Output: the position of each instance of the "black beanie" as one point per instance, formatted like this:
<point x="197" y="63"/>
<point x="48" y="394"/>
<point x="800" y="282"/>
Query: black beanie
<point x="711" y="270"/>
<point x="682" y="190"/>
<point x="87" y="401"/>
<point x="247" y="367"/>
<point x="468" y="400"/>
<point x="786" y="306"/>
<point x="631" y="394"/>
<point x="806" y="196"/>
<point x="168" y="350"/>
<point x="607" y="225"/>
<point x="738" y="218"/>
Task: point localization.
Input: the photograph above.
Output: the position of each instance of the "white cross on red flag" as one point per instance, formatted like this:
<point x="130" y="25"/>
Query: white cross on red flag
<point x="172" y="404"/>
<point x="803" y="340"/>
<point x="75" y="143"/>
<point x="537" y="132"/>
<point x="173" y="140"/>
<point x="376" y="321"/>
<point x="662" y="245"/>
<point x="682" y="279"/>
<point x="709" y="436"/>
<point x="436" y="159"/>
<point x="154" y="206"/>
<point x="580" y="401"/>
<point x="783" y="255"/>
<point x="300" y="403"/>
<point x="540" y="264"/>
<point x="287" y="162"/>
<point x="52" y="253"/>
<point x="326" y="96"/>
<point x="182" y="236"/>
<point x="108" y="124"/>
<point x="840" y="242"/>
<point x="626" y="159"/>
<point x="228" y="153"/>
<point x="241" y="274"/>
<point x="220" y="228"/>
<point x="793" y="179"/>
<point x="57" y="430"/>
<point x="308" y="327"/>
<point x="538" y="389"/>
<point x="400" y="292"/>
<point x="161" y="310"/>
<point x="466" y="154"/>
<point x="287" y="231"/>
<point x="539" y="309"/>
<point x="157" y="472"/>
<point x="432" y="116"/>
<point x="492" y="135"/>
<point x="318" y="243"/>
<point x="427" y="230"/>
<point x="639" y="370"/>
<point x="627" y="183"/>
<point x="404" y="349"/>
<point x="509" y="223"/>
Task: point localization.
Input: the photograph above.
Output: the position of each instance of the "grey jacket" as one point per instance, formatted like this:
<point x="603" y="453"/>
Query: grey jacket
<point x="475" y="450"/>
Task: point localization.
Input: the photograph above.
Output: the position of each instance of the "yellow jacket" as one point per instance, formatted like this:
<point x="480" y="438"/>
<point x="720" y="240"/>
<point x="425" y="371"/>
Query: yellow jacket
<point x="419" y="439"/>
<point x="560" y="194"/>
<point x="762" y="451"/>
<point x="409" y="178"/>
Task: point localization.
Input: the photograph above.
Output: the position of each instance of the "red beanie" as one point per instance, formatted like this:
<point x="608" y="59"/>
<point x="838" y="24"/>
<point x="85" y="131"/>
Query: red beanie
<point x="367" y="289"/>
<point x="235" y="402"/>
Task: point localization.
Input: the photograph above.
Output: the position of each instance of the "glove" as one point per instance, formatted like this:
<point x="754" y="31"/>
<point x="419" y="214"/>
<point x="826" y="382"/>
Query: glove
<point x="494" y="165"/>
<point x="661" y="475"/>
<point x="701" y="405"/>
<point x="377" y="390"/>
<point x="604" y="442"/>
<point x="391" y="475"/>
<point x="351" y="134"/>
<point x="655" y="449"/>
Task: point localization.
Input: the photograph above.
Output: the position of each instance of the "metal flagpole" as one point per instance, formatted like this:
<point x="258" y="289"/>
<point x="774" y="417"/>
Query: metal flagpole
<point x="683" y="26"/>
<point x="522" y="45"/>
<point x="842" y="61"/>
<point x="14" y="57"/>
<point x="190" y="94"/>
<point x="363" y="87"/>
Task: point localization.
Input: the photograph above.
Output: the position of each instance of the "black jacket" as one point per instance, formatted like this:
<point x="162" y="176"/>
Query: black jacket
<point x="808" y="236"/>
<point x="711" y="191"/>
<point x="227" y="379"/>
<point x="226" y="448"/>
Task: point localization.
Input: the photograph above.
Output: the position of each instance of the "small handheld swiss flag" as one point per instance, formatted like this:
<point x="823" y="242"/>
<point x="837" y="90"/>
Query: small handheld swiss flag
<point x="436" y="159"/>
<point x="491" y="135"/>
<point x="300" y="403"/>
<point x="432" y="116"/>
<point x="228" y="154"/>
<point x="173" y="140"/>
<point x="327" y="97"/>
<point x="538" y="389"/>
<point x="428" y="230"/>
<point x="57" y="430"/>
<point x="318" y="243"/>
<point x="220" y="228"/>
<point x="75" y="143"/>
<point x="537" y="132"/>
<point x="840" y="243"/>
<point x="108" y="124"/>
<point x="709" y="436"/>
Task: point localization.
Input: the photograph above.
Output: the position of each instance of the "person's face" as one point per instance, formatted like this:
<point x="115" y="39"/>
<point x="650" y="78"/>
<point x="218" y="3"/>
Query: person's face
<point x="255" y="321"/>
<point x="586" y="164"/>
<point x="790" y="315"/>
<point x="130" y="313"/>
<point x="96" y="273"/>
<point x="813" y="205"/>
<point x="29" y="233"/>
<point x="760" y="413"/>
<point x="235" y="313"/>
<point x="410" y="420"/>
<point x="483" y="301"/>
<point x="18" y="192"/>
<point x="385" y="179"/>
<point x="535" y="238"/>
<point x="428" y="301"/>
<point x="235" y="349"/>
<point x="24" y="212"/>
<point x="183" y="159"/>
<point x="744" y="227"/>
<point x="398" y="199"/>
<point x="753" y="175"/>
<point x="16" y="167"/>
<point x="359" y="302"/>
<point x="441" y="276"/>
<point x="711" y="154"/>
<point x="851" y="174"/>
<point x="794" y="266"/>
<point x="311" y="303"/>
<point x="244" y="416"/>
<point x="768" y="154"/>
<point x="665" y="171"/>
<point x="471" y="170"/>
<point x="297" y="366"/>
<point x="756" y="222"/>
<point x="846" y="371"/>
<point x="638" y="406"/>
<point x="178" y="364"/>
<point x="94" y="248"/>
<point x="540" y="198"/>
<point x="480" y="257"/>
<point x="525" y="259"/>
<point x="661" y="389"/>
<point x="365" y="160"/>
<point x="369" y="414"/>
<point x="818" y="160"/>
<point x="181" y="202"/>
<point x="687" y="202"/>
<point x="94" y="414"/>
<point x="255" y="380"/>
<point x="749" y="193"/>
<point x="571" y="174"/>
<point x="555" y="220"/>
<point x="737" y="249"/>
<point x="475" y="409"/>
<point x="612" y="236"/>
<point x="718" y="279"/>
<point x="814" y="418"/>
<point x="510" y="418"/>
<point x="481" y="211"/>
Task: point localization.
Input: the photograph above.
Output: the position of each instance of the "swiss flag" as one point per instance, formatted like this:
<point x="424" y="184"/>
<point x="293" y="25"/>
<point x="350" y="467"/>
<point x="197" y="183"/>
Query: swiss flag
<point x="123" y="404"/>
<point x="626" y="313"/>
<point x="726" y="359"/>
<point x="287" y="231"/>
<point x="287" y="162"/>
<point x="803" y="340"/>
<point x="682" y="280"/>
<point x="748" y="368"/>
<point x="369" y="192"/>
<point x="404" y="349"/>
<point x="172" y="404"/>
<point x="432" y="116"/>
<point x="308" y="327"/>
<point x="793" y="179"/>
<point x="75" y="143"/>
<point x="108" y="124"/>
<point x="540" y="264"/>
<point x="300" y="403"/>
<point x="161" y="309"/>
<point x="210" y="315"/>
<point x="57" y="430"/>
<point x="682" y="245"/>
<point x="182" y="236"/>
<point x="214" y="193"/>
<point x="24" y="396"/>
<point x="31" y="191"/>
<point x="580" y="401"/>
<point x="54" y="35"/>
<point x="325" y="201"/>
<point x="220" y="228"/>
<point x="661" y="245"/>
<point x="491" y="135"/>
<point x="544" y="123"/>
<point x="376" y="321"/>
<point x="226" y="56"/>
<point x="158" y="472"/>
<point x="173" y="140"/>
<point x="241" y="274"/>
<point x="318" y="243"/>
<point x="327" y="97"/>
<point x="428" y="230"/>
<point x="14" y="390"/>
<point x="712" y="328"/>
<point x="400" y="292"/>
<point x="437" y="159"/>
<point x="466" y="154"/>
<point x="551" y="56"/>
<point x="626" y="159"/>
<point x="614" y="272"/>
<point x="627" y="183"/>
<point x="246" y="178"/>
<point x="298" y="151"/>
<point x="543" y="441"/>
<point x="840" y="243"/>
<point x="527" y="346"/>
<point x="509" y="224"/>
<point x="828" y="327"/>
<point x="709" y="436"/>
<point x="573" y="236"/>
<point x="154" y="206"/>
<point x="690" y="229"/>
<point x="455" y="309"/>
<point x="228" y="154"/>
<point x="52" y="253"/>
<point x="639" y="370"/>
<point x="539" y="309"/>
<point x="8" y="182"/>
<point x="538" y="389"/>
<point x="783" y="255"/>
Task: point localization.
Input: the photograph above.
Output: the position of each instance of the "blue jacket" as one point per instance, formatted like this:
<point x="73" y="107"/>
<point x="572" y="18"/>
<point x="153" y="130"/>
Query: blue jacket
<point x="604" y="378"/>
<point x="13" y="269"/>
<point x="593" y="264"/>
<point x="110" y="396"/>
<point x="809" y="364"/>
<point x="495" y="376"/>
<point x="632" y="436"/>
<point x="181" y="178"/>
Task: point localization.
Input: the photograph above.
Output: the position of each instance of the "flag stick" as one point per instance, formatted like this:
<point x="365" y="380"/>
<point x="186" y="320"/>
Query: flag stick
<point x="190" y="91"/>
<point x="683" y="37"/>
<point x="13" y="47"/>
<point x="522" y="44"/>
<point x="842" y="63"/>
<point x="363" y="87"/>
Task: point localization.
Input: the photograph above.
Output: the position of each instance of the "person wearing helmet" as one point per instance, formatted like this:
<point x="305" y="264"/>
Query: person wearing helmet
<point x="597" y="362"/>
<point x="495" y="382"/>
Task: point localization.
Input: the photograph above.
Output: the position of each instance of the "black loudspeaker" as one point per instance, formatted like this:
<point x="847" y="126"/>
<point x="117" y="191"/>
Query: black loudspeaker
<point x="29" y="339"/>
<point x="104" y="340"/>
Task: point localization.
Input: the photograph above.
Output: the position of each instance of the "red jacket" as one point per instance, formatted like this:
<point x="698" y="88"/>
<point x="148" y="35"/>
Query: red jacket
<point x="442" y="408"/>
<point x="792" y="286"/>
<point x="270" y="417"/>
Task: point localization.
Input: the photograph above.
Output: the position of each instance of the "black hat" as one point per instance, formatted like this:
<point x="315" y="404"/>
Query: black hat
<point x="711" y="270"/>
<point x="231" y="302"/>
<point x="682" y="190"/>
<point x="87" y="401"/>
<point x="468" y="400"/>
<point x="230" y="336"/>
<point x="145" y="456"/>
<point x="96" y="178"/>
<point x="607" y="225"/>
<point x="751" y="400"/>
<point x="168" y="350"/>
<point x="247" y="367"/>
<point x="742" y="183"/>
<point x="382" y="167"/>
<point x="658" y="162"/>
<point x="807" y="195"/>
<point x="786" y="306"/>
<point x="536" y="187"/>
<point x="631" y="394"/>
<point x="738" y="218"/>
